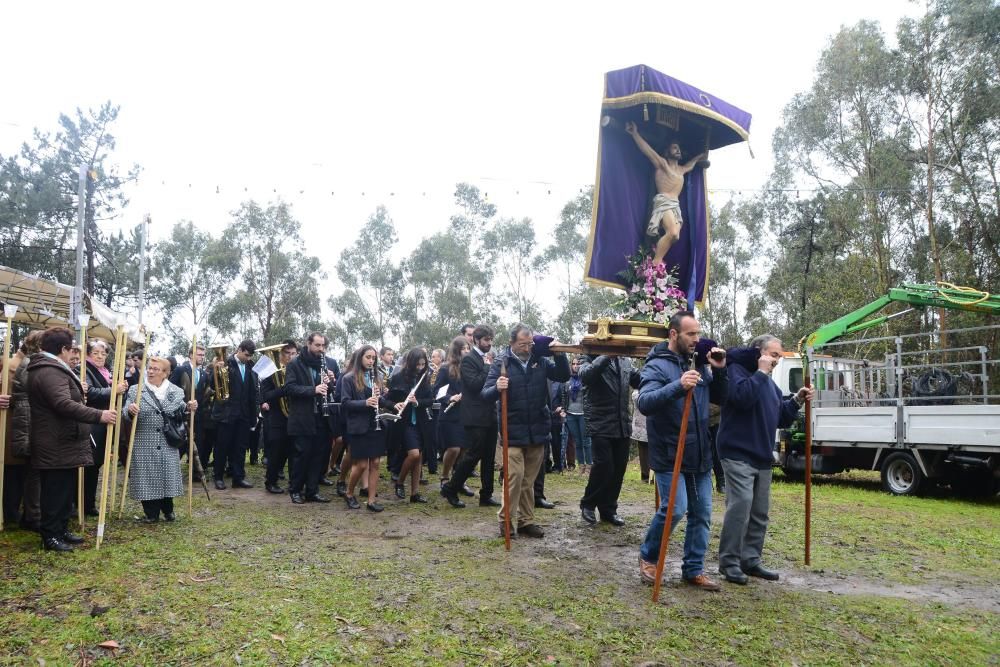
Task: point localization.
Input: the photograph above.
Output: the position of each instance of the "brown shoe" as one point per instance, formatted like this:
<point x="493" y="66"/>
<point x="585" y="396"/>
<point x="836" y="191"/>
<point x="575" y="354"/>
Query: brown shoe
<point x="647" y="572"/>
<point x="704" y="583"/>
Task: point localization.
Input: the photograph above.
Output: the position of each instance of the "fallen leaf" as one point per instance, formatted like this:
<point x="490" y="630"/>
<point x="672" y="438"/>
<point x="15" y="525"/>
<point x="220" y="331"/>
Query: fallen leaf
<point x="201" y="581"/>
<point x="109" y="644"/>
<point x="278" y="638"/>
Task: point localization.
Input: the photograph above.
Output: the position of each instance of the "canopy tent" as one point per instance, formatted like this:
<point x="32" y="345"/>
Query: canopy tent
<point x="43" y="303"/>
<point x="665" y="110"/>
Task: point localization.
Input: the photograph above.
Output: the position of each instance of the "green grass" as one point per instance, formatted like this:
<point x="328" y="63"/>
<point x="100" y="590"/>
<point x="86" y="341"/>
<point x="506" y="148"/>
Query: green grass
<point x="255" y="580"/>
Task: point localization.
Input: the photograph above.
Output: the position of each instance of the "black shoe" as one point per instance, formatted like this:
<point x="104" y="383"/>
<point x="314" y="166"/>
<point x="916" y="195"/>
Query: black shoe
<point x="91" y="511"/>
<point x="489" y="502"/>
<point x="734" y="576"/>
<point x="531" y="530"/>
<point x="298" y="499"/>
<point x="55" y="544"/>
<point x="513" y="532"/>
<point x="336" y="470"/>
<point x="352" y="502"/>
<point x="588" y="515"/>
<point x="169" y="516"/>
<point x="363" y="493"/>
<point x="274" y="488"/>
<point x="467" y="492"/>
<point x="417" y="498"/>
<point x="220" y="485"/>
<point x="151" y="519"/>
<point x="761" y="572"/>
<point x="70" y="538"/>
<point x="323" y="481"/>
<point x="424" y="482"/>
<point x="451" y="497"/>
<point x="242" y="484"/>
<point x="374" y="507"/>
<point x="253" y="462"/>
<point x="281" y="475"/>
<point x="400" y="492"/>
<point x="544" y="504"/>
<point x="721" y="489"/>
<point x="316" y="498"/>
<point x="614" y="520"/>
<point x="342" y="489"/>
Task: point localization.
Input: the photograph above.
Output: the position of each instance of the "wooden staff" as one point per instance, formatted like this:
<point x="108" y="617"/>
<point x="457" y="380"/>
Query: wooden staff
<point x="118" y="402"/>
<point x="506" y="458"/>
<point x="83" y="378"/>
<point x="10" y="311"/>
<point x="111" y="433"/>
<point x="135" y="420"/>
<point x="191" y="447"/>
<point x="809" y="446"/>
<point x="681" y="437"/>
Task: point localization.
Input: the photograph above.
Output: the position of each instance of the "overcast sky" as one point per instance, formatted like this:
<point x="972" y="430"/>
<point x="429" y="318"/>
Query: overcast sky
<point x="339" y="107"/>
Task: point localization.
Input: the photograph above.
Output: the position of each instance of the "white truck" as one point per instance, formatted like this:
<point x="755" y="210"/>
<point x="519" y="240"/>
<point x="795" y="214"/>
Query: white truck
<point x="918" y="412"/>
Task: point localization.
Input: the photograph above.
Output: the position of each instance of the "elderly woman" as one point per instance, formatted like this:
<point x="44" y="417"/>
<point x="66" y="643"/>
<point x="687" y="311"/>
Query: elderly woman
<point x="99" y="393"/>
<point x="156" y="474"/>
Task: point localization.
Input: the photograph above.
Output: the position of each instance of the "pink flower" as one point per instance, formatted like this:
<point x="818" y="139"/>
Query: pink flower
<point x="657" y="305"/>
<point x="649" y="289"/>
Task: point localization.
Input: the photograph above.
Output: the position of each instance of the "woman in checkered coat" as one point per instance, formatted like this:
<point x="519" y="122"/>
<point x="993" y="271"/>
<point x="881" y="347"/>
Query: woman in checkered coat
<point x="155" y="474"/>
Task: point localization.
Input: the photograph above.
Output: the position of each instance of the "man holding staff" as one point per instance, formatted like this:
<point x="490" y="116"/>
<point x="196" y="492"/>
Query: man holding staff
<point x="669" y="374"/>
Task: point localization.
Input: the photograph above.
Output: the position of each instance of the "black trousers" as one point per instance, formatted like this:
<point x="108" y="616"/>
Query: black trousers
<point x="255" y="445"/>
<point x="152" y="508"/>
<point x="481" y="447"/>
<point x="720" y="476"/>
<point x="205" y="439"/>
<point x="90" y="475"/>
<point x="231" y="447"/>
<point x="15" y="479"/>
<point x="309" y="462"/>
<point x="540" y="477"/>
<point x="279" y="450"/>
<point x="606" y="475"/>
<point x="58" y="487"/>
<point x="429" y="449"/>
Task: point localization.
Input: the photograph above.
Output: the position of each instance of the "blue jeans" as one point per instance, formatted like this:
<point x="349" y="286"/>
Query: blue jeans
<point x="576" y="429"/>
<point x="694" y="498"/>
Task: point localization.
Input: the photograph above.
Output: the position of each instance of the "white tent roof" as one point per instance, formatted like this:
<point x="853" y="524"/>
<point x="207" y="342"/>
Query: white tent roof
<point x="43" y="303"/>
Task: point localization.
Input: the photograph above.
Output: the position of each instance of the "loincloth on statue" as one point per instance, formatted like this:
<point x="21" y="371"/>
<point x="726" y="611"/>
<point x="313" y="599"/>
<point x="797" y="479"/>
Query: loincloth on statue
<point x="661" y="204"/>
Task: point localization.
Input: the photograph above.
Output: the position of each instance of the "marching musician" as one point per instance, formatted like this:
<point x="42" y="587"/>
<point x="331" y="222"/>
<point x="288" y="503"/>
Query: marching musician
<point x="279" y="444"/>
<point x="362" y="397"/>
<point x="451" y="436"/>
<point x="182" y="376"/>
<point x="410" y="392"/>
<point x="306" y="388"/>
<point x="236" y="416"/>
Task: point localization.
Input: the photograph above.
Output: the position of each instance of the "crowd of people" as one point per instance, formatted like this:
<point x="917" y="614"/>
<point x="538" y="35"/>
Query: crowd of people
<point x="316" y="421"/>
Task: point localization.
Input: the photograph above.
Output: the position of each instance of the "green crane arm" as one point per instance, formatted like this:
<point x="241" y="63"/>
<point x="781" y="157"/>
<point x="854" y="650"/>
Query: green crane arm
<point x="917" y="296"/>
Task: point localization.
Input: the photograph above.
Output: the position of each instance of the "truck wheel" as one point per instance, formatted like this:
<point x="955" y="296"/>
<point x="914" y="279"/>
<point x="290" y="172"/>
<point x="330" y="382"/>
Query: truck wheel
<point x="901" y="476"/>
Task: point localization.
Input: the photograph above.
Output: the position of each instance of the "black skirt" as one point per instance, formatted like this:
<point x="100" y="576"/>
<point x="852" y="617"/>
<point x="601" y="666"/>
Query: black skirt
<point x="451" y="434"/>
<point x="370" y="445"/>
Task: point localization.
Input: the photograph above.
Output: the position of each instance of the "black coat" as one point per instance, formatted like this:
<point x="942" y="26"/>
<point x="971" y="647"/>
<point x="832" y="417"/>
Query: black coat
<point x="400" y="387"/>
<point x="607" y="395"/>
<point x="358" y="417"/>
<point x="474" y="409"/>
<point x="528" y="417"/>
<point x="454" y="386"/>
<point x="244" y="395"/>
<point x="277" y="422"/>
<point x="303" y="401"/>
<point x="182" y="378"/>
<point x="98" y="396"/>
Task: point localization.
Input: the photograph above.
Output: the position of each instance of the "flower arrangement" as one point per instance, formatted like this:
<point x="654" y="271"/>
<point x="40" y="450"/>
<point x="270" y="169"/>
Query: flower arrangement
<point x="652" y="295"/>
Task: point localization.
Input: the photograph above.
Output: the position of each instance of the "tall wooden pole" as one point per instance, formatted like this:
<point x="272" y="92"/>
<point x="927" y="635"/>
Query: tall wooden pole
<point x="118" y="400"/>
<point x="191" y="452"/>
<point x="506" y="458"/>
<point x="9" y="312"/>
<point x="108" y="439"/>
<point x="80" y="516"/>
<point x="667" y="525"/>
<point x="135" y="420"/>
<point x="809" y="445"/>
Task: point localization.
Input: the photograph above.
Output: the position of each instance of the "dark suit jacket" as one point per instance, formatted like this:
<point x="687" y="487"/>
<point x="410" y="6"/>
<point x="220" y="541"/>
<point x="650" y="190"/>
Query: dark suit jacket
<point x="474" y="410"/>
<point x="182" y="378"/>
<point x="244" y="396"/>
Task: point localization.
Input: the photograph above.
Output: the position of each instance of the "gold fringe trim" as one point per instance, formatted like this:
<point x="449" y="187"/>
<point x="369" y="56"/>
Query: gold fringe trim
<point x="661" y="98"/>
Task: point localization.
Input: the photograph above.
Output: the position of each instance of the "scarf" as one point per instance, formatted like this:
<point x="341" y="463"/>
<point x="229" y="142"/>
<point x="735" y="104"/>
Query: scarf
<point x="161" y="391"/>
<point x="575" y="384"/>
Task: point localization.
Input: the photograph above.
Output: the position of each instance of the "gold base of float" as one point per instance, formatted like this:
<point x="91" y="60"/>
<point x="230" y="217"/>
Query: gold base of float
<point x="625" y="338"/>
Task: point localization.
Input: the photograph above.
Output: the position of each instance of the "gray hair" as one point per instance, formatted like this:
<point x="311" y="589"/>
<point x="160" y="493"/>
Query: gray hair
<point x="517" y="330"/>
<point x="94" y="342"/>
<point x="763" y="340"/>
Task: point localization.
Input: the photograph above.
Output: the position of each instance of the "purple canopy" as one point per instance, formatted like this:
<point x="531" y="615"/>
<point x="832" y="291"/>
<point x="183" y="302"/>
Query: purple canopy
<point x="665" y="110"/>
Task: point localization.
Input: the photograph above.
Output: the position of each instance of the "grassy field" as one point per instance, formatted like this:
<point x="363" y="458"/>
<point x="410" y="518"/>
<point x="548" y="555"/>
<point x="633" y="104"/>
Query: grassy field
<point x="254" y="580"/>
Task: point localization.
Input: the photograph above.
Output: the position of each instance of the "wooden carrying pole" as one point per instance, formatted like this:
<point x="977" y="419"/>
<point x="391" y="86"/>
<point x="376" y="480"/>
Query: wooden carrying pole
<point x="506" y="459"/>
<point x="118" y="365"/>
<point x="809" y="444"/>
<point x="5" y="390"/>
<point x="191" y="449"/>
<point x="117" y="400"/>
<point x="135" y="420"/>
<point x="665" y="540"/>
<point x="80" y="516"/>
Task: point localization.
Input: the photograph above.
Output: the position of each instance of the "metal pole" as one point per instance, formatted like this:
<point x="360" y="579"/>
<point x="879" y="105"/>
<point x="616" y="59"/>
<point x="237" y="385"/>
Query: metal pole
<point x="143" y="231"/>
<point x="77" y="305"/>
<point x="986" y="377"/>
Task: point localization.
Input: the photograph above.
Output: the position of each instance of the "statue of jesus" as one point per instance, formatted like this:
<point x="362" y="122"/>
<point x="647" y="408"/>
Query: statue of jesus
<point x="669" y="178"/>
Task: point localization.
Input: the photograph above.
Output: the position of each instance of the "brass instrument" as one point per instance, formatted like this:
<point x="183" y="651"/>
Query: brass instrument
<point x="274" y="352"/>
<point x="221" y="375"/>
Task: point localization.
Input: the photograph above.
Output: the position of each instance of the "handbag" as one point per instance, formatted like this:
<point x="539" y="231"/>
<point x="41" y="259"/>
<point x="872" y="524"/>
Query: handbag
<point x="174" y="429"/>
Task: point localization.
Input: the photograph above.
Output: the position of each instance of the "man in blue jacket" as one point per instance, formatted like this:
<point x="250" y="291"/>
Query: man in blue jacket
<point x="670" y="372"/>
<point x="753" y="411"/>
<point x="528" y="418"/>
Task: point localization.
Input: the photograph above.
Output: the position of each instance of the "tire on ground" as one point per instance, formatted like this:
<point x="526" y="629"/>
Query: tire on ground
<point x="901" y="475"/>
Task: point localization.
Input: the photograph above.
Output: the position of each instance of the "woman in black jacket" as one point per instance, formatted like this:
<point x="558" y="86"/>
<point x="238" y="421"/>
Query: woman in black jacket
<point x="98" y="396"/>
<point x="451" y="435"/>
<point x="361" y="398"/>
<point x="410" y="391"/>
